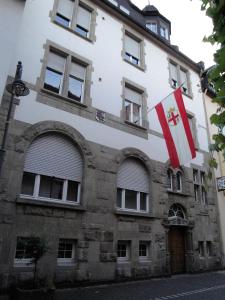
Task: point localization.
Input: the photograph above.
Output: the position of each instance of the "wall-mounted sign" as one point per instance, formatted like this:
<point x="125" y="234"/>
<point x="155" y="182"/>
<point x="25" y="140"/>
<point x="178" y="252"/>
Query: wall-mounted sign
<point x="100" y="116"/>
<point x="221" y="183"/>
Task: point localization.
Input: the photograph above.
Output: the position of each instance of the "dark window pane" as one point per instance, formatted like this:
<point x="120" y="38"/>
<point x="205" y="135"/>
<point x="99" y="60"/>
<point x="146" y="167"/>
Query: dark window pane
<point x="45" y="187"/>
<point x="56" y="188"/>
<point x="72" y="191"/>
<point x="28" y="183"/>
<point x="82" y="31"/>
<point x="119" y="198"/>
<point x="52" y="80"/>
<point x="51" y="187"/>
<point x="135" y="61"/>
<point x="130" y="199"/>
<point x="143" y="201"/>
<point x="62" y="20"/>
<point x="75" y="88"/>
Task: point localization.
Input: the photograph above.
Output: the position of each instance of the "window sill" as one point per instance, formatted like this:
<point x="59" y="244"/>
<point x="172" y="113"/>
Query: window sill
<point x="135" y="125"/>
<point x="69" y="265"/>
<point x="55" y="95"/>
<point x="74" y="32"/>
<point x="132" y="213"/>
<point x="141" y="68"/>
<point x="49" y="203"/>
<point x="177" y="193"/>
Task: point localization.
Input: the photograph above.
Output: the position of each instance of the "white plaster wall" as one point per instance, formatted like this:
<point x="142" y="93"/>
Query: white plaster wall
<point x="11" y="12"/>
<point x="109" y="66"/>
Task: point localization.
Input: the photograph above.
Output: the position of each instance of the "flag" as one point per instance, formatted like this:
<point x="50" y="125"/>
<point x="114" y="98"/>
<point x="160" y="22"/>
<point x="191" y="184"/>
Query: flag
<point x="176" y="129"/>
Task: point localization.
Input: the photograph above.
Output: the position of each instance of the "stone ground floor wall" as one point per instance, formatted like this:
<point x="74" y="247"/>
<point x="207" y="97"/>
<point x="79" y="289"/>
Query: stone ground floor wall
<point x="96" y="225"/>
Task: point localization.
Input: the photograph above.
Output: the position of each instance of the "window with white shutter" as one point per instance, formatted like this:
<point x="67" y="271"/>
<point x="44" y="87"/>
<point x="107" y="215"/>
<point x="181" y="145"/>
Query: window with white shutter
<point x="132" y="50"/>
<point x="66" y="75"/>
<point x="179" y="77"/>
<point x="132" y="186"/>
<point x="53" y="170"/>
<point x="83" y="21"/>
<point x="64" y="12"/>
<point x="133" y="106"/>
<point x="76" y="16"/>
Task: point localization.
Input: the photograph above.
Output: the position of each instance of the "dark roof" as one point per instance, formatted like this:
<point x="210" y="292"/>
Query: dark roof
<point x="150" y="9"/>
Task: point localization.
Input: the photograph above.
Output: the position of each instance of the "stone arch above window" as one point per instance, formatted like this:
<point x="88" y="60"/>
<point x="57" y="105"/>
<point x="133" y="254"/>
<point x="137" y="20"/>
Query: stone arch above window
<point x="53" y="169"/>
<point x="133" y="186"/>
<point x="176" y="211"/>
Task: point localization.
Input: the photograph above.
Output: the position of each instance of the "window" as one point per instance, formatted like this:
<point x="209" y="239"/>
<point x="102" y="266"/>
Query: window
<point x="67" y="76"/>
<point x="199" y="180"/>
<point x="123" y="251"/>
<point x="66" y="251"/>
<point x="23" y="251"/>
<point x="53" y="170"/>
<point x="54" y="72"/>
<point x="64" y="12"/>
<point x="132" y="187"/>
<point x="203" y="189"/>
<point x="201" y="250"/>
<point x="196" y="185"/>
<point x="83" y="21"/>
<point x="133" y="106"/>
<point x="169" y="179"/>
<point x="179" y="181"/>
<point x="133" y="49"/>
<point x="209" y="248"/>
<point x="144" y="249"/>
<point x="164" y="32"/>
<point x="58" y="81"/>
<point x="179" y="77"/>
<point x="176" y="211"/>
<point x="76" y="16"/>
<point x="174" y="75"/>
<point x="152" y="27"/>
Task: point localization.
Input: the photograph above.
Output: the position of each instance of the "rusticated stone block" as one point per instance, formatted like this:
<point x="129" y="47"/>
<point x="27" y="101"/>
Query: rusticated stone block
<point x="83" y="244"/>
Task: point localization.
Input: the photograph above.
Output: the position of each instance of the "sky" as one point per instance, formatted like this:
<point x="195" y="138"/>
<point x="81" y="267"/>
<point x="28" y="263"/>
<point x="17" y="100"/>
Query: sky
<point x="189" y="25"/>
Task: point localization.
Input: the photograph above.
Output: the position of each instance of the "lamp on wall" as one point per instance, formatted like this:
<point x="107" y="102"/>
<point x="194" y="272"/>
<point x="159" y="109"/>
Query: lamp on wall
<point x="16" y="88"/>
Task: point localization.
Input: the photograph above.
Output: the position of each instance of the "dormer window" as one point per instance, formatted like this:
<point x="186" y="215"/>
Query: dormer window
<point x="152" y="26"/>
<point x="164" y="32"/>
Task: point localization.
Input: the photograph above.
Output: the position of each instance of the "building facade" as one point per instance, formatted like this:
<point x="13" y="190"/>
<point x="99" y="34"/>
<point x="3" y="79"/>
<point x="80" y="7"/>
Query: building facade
<point x="86" y="167"/>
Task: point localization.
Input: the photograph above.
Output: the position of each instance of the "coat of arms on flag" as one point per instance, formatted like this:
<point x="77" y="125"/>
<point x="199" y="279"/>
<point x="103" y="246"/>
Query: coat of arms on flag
<point x="176" y="129"/>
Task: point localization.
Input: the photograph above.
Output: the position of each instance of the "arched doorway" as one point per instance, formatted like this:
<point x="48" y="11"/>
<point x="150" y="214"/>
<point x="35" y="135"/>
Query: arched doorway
<point x="176" y="238"/>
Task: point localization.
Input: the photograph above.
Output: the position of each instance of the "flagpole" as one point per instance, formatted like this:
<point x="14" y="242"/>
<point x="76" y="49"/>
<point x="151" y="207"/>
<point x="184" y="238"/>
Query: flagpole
<point x="148" y="111"/>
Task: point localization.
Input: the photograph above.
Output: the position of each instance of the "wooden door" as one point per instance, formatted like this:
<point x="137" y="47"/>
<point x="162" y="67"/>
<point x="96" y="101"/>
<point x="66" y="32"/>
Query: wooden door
<point x="177" y="250"/>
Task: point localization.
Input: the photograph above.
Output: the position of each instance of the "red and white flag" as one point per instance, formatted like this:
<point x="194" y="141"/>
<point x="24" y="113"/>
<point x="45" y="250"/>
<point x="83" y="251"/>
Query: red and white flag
<point x="176" y="129"/>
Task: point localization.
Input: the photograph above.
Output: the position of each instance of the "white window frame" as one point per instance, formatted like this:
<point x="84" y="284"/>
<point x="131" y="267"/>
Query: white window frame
<point x="132" y="113"/>
<point x="147" y="256"/>
<point x="36" y="196"/>
<point x="127" y="245"/>
<point x="199" y="185"/>
<point x="149" y="26"/>
<point x="67" y="261"/>
<point x="137" y="202"/>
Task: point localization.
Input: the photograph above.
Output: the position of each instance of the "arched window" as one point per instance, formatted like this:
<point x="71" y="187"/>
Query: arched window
<point x="53" y="170"/>
<point x="176" y="211"/>
<point x="179" y="181"/>
<point x="169" y="179"/>
<point x="132" y="186"/>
